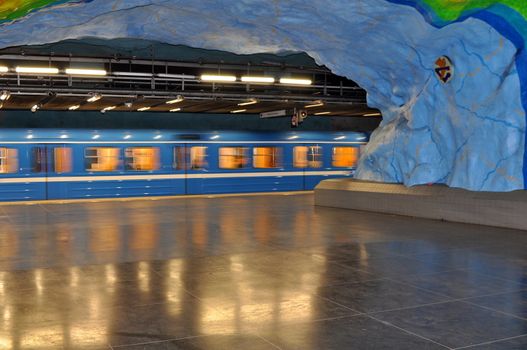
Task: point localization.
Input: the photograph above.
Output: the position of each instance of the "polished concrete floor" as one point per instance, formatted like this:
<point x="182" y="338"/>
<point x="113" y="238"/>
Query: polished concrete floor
<point x="254" y="272"/>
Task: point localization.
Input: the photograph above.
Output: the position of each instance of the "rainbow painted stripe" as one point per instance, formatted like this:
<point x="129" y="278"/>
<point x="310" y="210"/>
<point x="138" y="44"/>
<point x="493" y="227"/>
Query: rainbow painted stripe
<point x="11" y="10"/>
<point x="452" y="10"/>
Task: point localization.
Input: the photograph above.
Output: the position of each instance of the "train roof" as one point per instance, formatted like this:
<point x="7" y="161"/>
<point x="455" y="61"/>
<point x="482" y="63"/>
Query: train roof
<point x="85" y="135"/>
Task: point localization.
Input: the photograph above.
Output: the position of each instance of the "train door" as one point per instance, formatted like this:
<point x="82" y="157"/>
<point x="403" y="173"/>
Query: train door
<point x="197" y="160"/>
<point x="54" y="162"/>
<point x="179" y="166"/>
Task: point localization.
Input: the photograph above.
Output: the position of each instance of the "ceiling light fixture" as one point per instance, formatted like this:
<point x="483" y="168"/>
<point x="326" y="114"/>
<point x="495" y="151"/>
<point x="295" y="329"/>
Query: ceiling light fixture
<point x="76" y="71"/>
<point x="95" y="137"/>
<point x="35" y="108"/>
<point x="133" y="74"/>
<point x="340" y="138"/>
<point x="109" y="108"/>
<point x="175" y="110"/>
<point x="36" y="70"/>
<point x="252" y="101"/>
<point x="142" y="109"/>
<point x="74" y="107"/>
<point x="94" y="97"/>
<point x="178" y="99"/>
<point x="266" y="80"/>
<point x="176" y="76"/>
<point x="5" y="95"/>
<point x="292" y="81"/>
<point x="239" y="111"/>
<point x="218" y="78"/>
<point x="318" y="103"/>
<point x="372" y="115"/>
<point x="127" y="137"/>
<point x="322" y="113"/>
<point x="157" y="137"/>
<point x="4" y="69"/>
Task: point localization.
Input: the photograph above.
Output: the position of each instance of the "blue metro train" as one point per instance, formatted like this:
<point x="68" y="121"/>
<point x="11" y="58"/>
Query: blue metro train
<point x="57" y="164"/>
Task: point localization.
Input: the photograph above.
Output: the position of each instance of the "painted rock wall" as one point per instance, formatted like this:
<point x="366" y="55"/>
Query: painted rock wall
<point x="467" y="133"/>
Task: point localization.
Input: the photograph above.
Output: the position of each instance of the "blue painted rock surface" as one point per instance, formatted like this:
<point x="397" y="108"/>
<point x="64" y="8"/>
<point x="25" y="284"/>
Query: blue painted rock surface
<point x="468" y="133"/>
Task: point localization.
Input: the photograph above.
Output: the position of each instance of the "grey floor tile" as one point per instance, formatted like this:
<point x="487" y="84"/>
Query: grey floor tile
<point x="462" y="283"/>
<point x="379" y="295"/>
<point x="396" y="266"/>
<point x="516" y="343"/>
<point x="212" y="342"/>
<point x="358" y="333"/>
<point x="514" y="303"/>
<point x="456" y="324"/>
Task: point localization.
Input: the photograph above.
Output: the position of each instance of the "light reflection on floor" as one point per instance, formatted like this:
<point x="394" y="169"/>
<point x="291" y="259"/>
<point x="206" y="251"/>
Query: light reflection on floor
<point x="260" y="272"/>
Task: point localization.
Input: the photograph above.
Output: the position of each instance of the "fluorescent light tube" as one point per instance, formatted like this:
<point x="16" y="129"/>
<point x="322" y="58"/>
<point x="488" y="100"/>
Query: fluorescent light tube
<point x="220" y="78"/>
<point x="95" y="97"/>
<point x="268" y="80"/>
<point x="75" y="71"/>
<point x="252" y="101"/>
<point x="132" y="74"/>
<point x="315" y="104"/>
<point x="292" y="81"/>
<point x="239" y="111"/>
<point x="37" y="70"/>
<point x="176" y="76"/>
<point x="5" y="95"/>
<point x="176" y="100"/>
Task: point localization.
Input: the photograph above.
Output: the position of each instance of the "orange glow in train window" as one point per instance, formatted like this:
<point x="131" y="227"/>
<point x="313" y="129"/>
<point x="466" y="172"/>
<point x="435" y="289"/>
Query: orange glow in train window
<point x="345" y="157"/>
<point x="267" y="157"/>
<point x="62" y="159"/>
<point x="8" y="160"/>
<point x="307" y="157"/>
<point x="102" y="158"/>
<point x="233" y="157"/>
<point x="142" y="158"/>
<point x="198" y="157"/>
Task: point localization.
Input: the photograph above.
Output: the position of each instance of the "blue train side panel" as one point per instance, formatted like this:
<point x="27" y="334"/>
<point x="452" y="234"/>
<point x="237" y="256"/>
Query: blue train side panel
<point x="35" y="176"/>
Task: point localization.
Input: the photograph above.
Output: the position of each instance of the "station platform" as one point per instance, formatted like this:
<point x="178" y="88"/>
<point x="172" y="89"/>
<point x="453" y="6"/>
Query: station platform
<point x="254" y="272"/>
<point x="501" y="209"/>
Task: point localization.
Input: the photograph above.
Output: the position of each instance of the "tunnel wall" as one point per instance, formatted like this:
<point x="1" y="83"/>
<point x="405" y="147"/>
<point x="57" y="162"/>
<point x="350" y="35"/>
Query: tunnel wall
<point x="467" y="133"/>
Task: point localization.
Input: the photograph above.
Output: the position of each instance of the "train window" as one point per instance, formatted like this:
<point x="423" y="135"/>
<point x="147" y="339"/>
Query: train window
<point x="267" y="157"/>
<point x="179" y="158"/>
<point x="102" y="158"/>
<point x="38" y="159"/>
<point x="345" y="157"/>
<point x="233" y="157"/>
<point x="307" y="157"/>
<point x="198" y="157"/>
<point x="142" y="158"/>
<point x="8" y="160"/>
<point x="62" y="159"/>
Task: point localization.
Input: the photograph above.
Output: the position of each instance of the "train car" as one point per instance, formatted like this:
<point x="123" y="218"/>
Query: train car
<point x="59" y="164"/>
